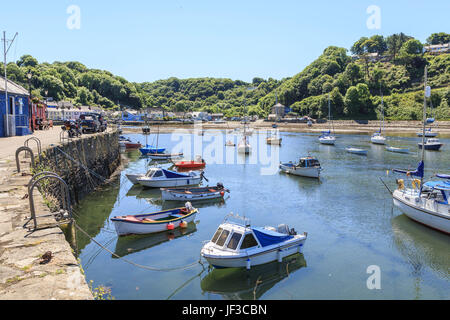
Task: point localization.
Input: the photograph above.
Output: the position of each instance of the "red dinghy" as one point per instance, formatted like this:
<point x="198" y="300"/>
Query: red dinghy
<point x="198" y="163"/>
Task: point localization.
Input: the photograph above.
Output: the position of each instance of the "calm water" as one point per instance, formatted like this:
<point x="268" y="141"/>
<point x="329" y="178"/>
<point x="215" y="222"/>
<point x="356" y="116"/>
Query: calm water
<point x="348" y="215"/>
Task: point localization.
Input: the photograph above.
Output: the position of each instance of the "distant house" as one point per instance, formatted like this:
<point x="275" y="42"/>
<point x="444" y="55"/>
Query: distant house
<point x="438" y="48"/>
<point x="280" y="110"/>
<point x="200" y="115"/>
<point x="16" y="112"/>
<point x="133" y="116"/>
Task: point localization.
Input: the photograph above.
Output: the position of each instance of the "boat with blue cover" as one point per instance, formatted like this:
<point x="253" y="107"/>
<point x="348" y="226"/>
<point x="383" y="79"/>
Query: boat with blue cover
<point x="155" y="222"/>
<point x="163" y="178"/>
<point x="236" y="244"/>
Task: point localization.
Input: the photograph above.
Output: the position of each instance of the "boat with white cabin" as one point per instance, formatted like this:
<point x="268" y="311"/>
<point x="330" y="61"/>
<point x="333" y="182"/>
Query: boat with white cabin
<point x="326" y="137"/>
<point x="377" y="137"/>
<point x="236" y="244"/>
<point x="163" y="178"/>
<point x="306" y="167"/>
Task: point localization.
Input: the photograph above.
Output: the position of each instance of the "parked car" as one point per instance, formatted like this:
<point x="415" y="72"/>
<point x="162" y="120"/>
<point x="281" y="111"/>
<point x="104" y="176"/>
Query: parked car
<point x="90" y="123"/>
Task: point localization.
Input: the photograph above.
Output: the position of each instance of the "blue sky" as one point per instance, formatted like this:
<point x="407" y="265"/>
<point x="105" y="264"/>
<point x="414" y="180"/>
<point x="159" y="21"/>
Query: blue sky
<point x="151" y="40"/>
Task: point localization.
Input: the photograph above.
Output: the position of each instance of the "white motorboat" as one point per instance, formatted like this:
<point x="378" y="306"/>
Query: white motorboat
<point x="428" y="133"/>
<point x="273" y="138"/>
<point x="356" y="151"/>
<point x="192" y="194"/>
<point x="155" y="222"/>
<point x="239" y="245"/>
<point x="426" y="203"/>
<point x="162" y="178"/>
<point x="432" y="144"/>
<point x="397" y="150"/>
<point x="306" y="167"/>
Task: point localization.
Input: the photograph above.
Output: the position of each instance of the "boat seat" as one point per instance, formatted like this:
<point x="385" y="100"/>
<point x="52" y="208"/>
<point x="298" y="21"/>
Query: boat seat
<point x="177" y="215"/>
<point x="212" y="190"/>
<point x="148" y="220"/>
<point x="132" y="219"/>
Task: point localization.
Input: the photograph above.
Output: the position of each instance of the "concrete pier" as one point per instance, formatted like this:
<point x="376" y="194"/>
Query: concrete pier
<point x="37" y="265"/>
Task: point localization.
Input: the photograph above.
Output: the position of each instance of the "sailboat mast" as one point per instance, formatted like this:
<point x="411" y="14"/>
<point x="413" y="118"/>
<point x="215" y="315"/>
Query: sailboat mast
<point x="424" y="120"/>
<point x="157" y="140"/>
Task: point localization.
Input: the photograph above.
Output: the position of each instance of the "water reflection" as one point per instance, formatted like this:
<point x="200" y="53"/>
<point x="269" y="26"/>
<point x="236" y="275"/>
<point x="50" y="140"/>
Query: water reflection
<point x="240" y="284"/>
<point x="421" y="246"/>
<point x="135" y="243"/>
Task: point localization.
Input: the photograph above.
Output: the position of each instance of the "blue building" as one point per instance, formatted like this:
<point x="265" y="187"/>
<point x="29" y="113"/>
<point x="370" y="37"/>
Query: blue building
<point x="17" y="112"/>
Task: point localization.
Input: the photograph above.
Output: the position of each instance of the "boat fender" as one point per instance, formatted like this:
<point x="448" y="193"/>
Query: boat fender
<point x="401" y="184"/>
<point x="222" y="193"/>
<point x="183" y="224"/>
<point x="279" y="255"/>
<point x="248" y="264"/>
<point x="170" y="226"/>
<point x="416" y="184"/>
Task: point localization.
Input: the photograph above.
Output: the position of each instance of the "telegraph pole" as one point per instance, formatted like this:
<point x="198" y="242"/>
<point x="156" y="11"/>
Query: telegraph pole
<point x="5" y="52"/>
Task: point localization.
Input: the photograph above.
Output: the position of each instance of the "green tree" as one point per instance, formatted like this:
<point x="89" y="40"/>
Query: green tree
<point x="438" y="38"/>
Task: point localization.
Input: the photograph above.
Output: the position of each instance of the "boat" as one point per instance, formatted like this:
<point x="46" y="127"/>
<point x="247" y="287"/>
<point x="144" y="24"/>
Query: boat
<point x="426" y="203"/>
<point x="428" y="133"/>
<point x="327" y="137"/>
<point x="192" y="194"/>
<point x="306" y="167"/>
<point x="154" y="222"/>
<point x="432" y="144"/>
<point x="398" y="150"/>
<point x="163" y="178"/>
<point x="230" y="144"/>
<point x="128" y="144"/>
<point x="244" y="146"/>
<point x="356" y="151"/>
<point x="149" y="150"/>
<point x="236" y="244"/>
<point x="377" y="137"/>
<point x="198" y="163"/>
<point x="164" y="156"/>
<point x="273" y="138"/>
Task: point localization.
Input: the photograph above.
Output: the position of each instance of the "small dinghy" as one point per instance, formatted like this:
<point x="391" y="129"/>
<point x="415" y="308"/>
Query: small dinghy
<point x="149" y="150"/>
<point x="155" y="222"/>
<point x="306" y="167"/>
<point x="128" y="144"/>
<point x="432" y="144"/>
<point x="163" y="178"/>
<point x="397" y="150"/>
<point x="356" y="151"/>
<point x="192" y="194"/>
<point x="165" y="156"/>
<point x="236" y="244"/>
<point x="198" y="163"/>
<point x="230" y="144"/>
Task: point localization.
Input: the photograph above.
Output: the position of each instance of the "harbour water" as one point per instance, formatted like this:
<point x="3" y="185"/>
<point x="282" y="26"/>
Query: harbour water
<point x="348" y="214"/>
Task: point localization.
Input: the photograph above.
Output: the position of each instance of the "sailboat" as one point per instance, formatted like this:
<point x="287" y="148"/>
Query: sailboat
<point x="150" y="149"/>
<point x="244" y="145"/>
<point x="274" y="138"/>
<point x="377" y="137"/>
<point x="428" y="131"/>
<point x="327" y="137"/>
<point x="425" y="203"/>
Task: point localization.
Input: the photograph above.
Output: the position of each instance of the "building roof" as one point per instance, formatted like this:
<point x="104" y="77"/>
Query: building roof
<point x="278" y="105"/>
<point x="13" y="87"/>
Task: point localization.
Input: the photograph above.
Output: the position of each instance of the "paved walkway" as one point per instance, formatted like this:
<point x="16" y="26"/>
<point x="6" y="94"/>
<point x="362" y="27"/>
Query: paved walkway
<point x="24" y="273"/>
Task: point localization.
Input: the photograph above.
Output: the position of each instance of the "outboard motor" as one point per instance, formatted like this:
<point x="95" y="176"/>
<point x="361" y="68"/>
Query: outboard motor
<point x="283" y="228"/>
<point x="220" y="185"/>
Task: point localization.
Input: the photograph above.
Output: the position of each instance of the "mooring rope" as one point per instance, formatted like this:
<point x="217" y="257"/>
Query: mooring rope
<point x="188" y="266"/>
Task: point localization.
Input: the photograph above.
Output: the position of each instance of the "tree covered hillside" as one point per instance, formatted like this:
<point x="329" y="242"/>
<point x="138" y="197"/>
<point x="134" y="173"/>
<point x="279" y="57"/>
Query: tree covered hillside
<point x="392" y="67"/>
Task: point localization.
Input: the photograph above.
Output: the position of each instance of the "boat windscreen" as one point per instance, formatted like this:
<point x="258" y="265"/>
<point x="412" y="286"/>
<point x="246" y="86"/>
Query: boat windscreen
<point x="223" y="237"/>
<point x="216" y="235"/>
<point x="234" y="240"/>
